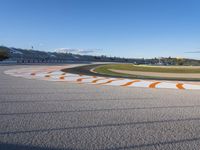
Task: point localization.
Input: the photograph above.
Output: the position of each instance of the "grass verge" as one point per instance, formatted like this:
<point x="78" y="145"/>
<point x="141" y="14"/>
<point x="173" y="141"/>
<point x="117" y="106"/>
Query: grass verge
<point x="105" y="69"/>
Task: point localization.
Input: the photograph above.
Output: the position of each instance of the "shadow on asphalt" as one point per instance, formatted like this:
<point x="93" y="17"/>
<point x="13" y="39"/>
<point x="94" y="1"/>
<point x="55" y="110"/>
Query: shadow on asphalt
<point x="98" y="110"/>
<point x="100" y="126"/>
<point x="9" y="146"/>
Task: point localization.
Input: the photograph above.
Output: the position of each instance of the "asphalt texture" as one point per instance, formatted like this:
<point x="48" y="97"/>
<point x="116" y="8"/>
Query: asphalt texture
<point x="42" y="115"/>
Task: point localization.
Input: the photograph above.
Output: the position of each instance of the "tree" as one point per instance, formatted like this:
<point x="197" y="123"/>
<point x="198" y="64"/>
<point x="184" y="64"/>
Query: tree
<point x="180" y="61"/>
<point x="4" y="54"/>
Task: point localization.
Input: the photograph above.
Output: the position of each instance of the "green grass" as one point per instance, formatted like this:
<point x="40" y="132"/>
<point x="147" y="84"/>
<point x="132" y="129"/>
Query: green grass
<point x="132" y="67"/>
<point x="104" y="69"/>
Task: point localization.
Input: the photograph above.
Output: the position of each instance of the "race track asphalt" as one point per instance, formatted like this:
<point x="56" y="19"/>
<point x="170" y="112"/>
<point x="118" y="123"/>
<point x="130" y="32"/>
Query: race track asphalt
<point x="42" y="115"/>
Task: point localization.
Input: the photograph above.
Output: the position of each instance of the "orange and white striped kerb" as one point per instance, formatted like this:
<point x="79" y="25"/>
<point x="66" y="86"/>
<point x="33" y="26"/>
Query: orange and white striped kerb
<point x="55" y="74"/>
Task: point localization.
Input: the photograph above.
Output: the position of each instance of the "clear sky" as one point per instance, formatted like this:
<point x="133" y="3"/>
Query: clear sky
<point x="126" y="28"/>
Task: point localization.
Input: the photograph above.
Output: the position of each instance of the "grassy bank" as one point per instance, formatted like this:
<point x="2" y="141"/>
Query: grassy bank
<point x="105" y="69"/>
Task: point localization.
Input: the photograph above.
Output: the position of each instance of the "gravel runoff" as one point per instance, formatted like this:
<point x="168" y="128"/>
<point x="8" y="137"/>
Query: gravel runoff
<point x="41" y="115"/>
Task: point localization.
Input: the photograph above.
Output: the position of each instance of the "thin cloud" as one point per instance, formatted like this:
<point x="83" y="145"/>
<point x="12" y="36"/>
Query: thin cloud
<point x="193" y="52"/>
<point x="197" y="50"/>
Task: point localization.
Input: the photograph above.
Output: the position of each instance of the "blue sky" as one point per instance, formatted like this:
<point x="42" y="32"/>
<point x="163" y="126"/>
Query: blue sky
<point x="126" y="28"/>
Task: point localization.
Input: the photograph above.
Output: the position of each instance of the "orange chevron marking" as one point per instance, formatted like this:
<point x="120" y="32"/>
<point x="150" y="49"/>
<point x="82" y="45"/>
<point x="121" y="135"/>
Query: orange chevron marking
<point x="33" y="74"/>
<point x="180" y="86"/>
<point x="62" y="78"/>
<point x="109" y="81"/>
<point x="47" y="76"/>
<point x="130" y="83"/>
<point x="95" y="81"/>
<point x="81" y="79"/>
<point x="153" y="85"/>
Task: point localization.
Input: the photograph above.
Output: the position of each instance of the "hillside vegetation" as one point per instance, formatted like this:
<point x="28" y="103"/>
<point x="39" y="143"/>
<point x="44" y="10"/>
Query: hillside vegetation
<point x="4" y="53"/>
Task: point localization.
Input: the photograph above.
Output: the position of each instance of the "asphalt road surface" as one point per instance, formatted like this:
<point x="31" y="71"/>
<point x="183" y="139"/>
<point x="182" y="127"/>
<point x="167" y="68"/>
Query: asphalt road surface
<point x="41" y="115"/>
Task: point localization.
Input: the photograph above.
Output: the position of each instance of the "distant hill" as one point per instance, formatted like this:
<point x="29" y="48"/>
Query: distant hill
<point x="174" y="61"/>
<point x="36" y="56"/>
